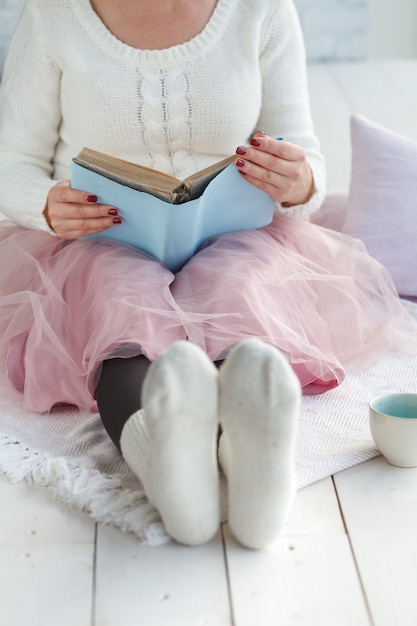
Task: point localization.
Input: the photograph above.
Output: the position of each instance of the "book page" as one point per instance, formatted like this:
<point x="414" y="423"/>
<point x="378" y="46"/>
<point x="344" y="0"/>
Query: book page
<point x="198" y="182"/>
<point x="149" y="180"/>
<point x="129" y="174"/>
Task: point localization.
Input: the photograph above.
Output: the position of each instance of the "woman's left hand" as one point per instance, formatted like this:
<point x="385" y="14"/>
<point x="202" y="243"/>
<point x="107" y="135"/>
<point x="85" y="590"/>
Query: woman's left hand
<point x="277" y="167"/>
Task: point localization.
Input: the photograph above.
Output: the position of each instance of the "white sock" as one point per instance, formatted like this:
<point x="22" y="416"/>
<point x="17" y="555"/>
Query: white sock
<point x="135" y="446"/>
<point x="171" y="444"/>
<point x="259" y="405"/>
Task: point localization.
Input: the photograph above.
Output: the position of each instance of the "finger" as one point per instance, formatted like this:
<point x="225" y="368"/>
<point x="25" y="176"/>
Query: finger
<point x="74" y="228"/>
<point x="272" y="170"/>
<point x="276" y="188"/>
<point x="278" y="147"/>
<point x="63" y="192"/>
<point x="66" y="194"/>
<point x="267" y="151"/>
<point x="67" y="210"/>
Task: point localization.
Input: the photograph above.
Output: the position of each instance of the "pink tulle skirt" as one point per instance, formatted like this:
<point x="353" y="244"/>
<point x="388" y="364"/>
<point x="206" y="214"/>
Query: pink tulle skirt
<point x="65" y="306"/>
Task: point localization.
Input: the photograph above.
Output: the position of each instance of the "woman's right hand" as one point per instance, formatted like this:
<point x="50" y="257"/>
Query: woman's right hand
<point x="72" y="214"/>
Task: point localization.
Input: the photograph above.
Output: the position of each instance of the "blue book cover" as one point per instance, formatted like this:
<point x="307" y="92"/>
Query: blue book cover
<point x="172" y="233"/>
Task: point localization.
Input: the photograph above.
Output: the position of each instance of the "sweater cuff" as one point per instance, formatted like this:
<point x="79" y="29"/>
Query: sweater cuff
<point x="315" y="200"/>
<point x="28" y="212"/>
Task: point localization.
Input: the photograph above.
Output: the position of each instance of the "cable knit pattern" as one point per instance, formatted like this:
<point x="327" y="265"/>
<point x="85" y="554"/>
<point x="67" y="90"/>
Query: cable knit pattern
<point x="164" y="116"/>
<point x="178" y="109"/>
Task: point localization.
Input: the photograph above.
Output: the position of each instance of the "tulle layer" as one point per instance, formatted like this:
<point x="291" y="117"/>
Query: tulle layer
<point x="66" y="306"/>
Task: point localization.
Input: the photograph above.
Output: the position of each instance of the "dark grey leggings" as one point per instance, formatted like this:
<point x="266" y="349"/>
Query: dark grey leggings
<point x="119" y="390"/>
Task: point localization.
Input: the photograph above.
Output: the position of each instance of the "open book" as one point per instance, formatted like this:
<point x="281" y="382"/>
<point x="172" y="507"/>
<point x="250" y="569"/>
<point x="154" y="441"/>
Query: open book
<point x="167" y="218"/>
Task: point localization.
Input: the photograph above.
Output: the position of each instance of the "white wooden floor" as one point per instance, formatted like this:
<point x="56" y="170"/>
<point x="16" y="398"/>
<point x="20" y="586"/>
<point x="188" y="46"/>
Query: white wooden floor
<point x="348" y="556"/>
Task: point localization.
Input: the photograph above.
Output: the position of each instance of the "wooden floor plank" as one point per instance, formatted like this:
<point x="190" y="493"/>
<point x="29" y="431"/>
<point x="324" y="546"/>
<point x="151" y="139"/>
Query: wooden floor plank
<point x="46" y="584"/>
<point x="315" y="512"/>
<point x="302" y="581"/>
<point x="46" y="559"/>
<point x="379" y="504"/>
<point x="156" y="586"/>
<point x="31" y="515"/>
<point x="308" y="578"/>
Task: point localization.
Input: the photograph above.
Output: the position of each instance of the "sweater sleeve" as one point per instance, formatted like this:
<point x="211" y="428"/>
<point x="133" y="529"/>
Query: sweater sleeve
<point x="29" y="123"/>
<point x="285" y="98"/>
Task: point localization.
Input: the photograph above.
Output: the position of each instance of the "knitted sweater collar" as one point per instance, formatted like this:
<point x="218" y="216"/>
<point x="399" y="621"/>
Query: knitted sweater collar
<point x="197" y="46"/>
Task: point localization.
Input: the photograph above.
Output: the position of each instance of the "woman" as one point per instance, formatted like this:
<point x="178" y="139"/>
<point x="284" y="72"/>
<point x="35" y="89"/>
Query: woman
<point x="176" y="86"/>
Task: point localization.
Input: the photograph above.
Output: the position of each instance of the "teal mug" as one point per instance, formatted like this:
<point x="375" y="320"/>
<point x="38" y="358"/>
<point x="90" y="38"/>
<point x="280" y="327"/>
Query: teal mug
<point x="393" y="424"/>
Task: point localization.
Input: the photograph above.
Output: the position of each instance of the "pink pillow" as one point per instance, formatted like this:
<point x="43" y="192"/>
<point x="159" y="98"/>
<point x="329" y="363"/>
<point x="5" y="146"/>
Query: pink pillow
<point x="382" y="209"/>
<point x="332" y="212"/>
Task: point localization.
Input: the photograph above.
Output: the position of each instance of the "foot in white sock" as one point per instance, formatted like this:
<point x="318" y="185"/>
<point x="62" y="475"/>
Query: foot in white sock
<point x="171" y="443"/>
<point x="259" y="404"/>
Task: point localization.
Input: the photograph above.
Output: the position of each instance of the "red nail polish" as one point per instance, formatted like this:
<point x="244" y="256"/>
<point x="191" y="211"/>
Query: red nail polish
<point x="117" y="220"/>
<point x="241" y="150"/>
<point x="112" y="211"/>
<point x="91" y="198"/>
<point x="255" y="142"/>
<point x="240" y="163"/>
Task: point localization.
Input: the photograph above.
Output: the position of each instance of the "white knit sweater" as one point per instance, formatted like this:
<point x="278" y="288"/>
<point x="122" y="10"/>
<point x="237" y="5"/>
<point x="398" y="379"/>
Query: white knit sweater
<point x="68" y="83"/>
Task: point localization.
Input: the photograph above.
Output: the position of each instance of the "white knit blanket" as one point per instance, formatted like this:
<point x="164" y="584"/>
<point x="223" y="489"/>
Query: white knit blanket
<point x="70" y="454"/>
